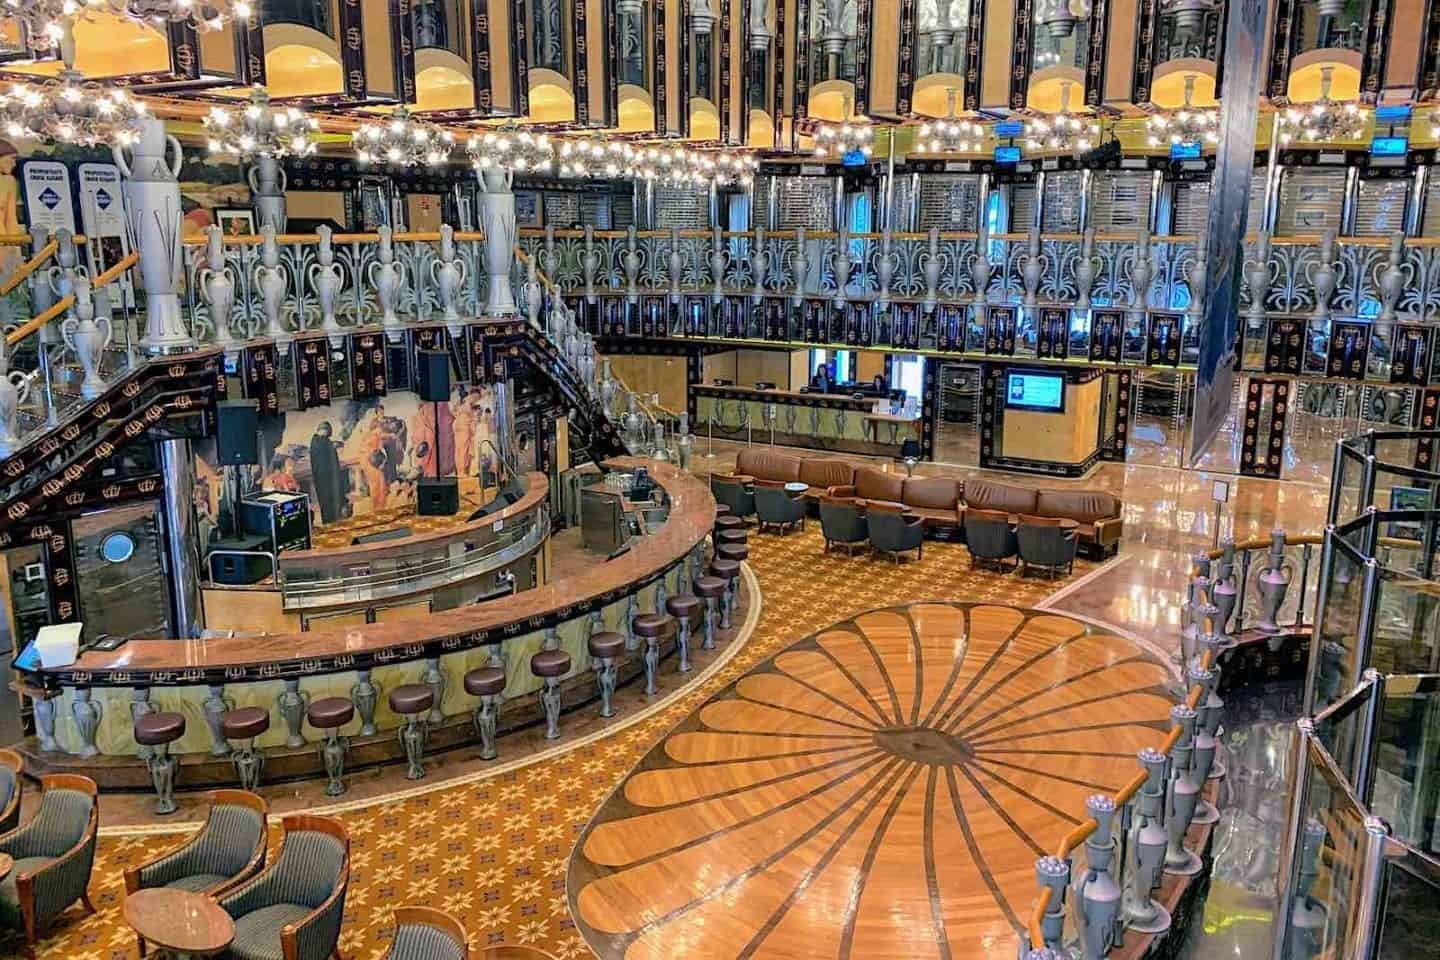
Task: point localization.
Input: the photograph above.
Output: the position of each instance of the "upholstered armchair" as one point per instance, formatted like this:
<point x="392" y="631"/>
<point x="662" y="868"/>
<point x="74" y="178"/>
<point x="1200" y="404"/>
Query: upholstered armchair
<point x="893" y="531"/>
<point x="1044" y="543"/>
<point x="735" y="494"/>
<point x="54" y="853"/>
<point x="842" y="523"/>
<point x="989" y="537"/>
<point x="424" y="933"/>
<point x="777" y="507"/>
<point x="293" y="909"/>
<point x="11" y="766"/>
<point x="228" y="849"/>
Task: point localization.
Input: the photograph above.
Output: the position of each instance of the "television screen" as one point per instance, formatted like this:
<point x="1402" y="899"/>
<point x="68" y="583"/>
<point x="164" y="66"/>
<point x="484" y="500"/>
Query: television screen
<point x="1389" y="146"/>
<point x="1189" y="150"/>
<point x="854" y="158"/>
<point x="1395" y="113"/>
<point x="1009" y="128"/>
<point x="1007" y="154"/>
<point x="1035" y="391"/>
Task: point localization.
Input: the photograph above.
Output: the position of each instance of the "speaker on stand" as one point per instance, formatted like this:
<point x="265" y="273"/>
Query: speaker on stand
<point x="237" y="444"/>
<point x="436" y="496"/>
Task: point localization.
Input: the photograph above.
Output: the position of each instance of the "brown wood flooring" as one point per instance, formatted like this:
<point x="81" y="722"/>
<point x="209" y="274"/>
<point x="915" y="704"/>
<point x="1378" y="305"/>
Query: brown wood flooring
<point x="881" y="788"/>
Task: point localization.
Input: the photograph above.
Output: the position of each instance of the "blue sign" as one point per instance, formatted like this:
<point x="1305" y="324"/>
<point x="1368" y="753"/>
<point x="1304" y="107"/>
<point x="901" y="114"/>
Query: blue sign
<point x="1189" y="150"/>
<point x="1389" y="146"/>
<point x="1007" y="155"/>
<point x="102" y="199"/>
<point x="854" y="158"/>
<point x="1009" y="128"/>
<point x="49" y="197"/>
<point x="1395" y="113"/>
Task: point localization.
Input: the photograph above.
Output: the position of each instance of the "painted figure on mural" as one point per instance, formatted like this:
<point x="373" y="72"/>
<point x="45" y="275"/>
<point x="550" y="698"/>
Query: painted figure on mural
<point x="326" y="473"/>
<point x="366" y="450"/>
<point x="281" y="475"/>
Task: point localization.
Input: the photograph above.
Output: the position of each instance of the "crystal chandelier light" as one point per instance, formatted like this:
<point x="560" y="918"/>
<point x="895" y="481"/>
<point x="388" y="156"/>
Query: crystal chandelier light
<point x="951" y="134"/>
<point x="259" y="130"/>
<point x="667" y="164"/>
<point x="1075" y="132"/>
<point x="1323" y="120"/>
<point x="848" y="136"/>
<point x="510" y="148"/>
<point x="1185" y="124"/>
<point x="402" y="141"/>
<point x="72" y="110"/>
<point x="47" y="21"/>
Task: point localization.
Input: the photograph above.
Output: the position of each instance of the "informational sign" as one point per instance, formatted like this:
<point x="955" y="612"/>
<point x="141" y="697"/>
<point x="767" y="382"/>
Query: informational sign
<point x="49" y="201"/>
<point x="102" y="216"/>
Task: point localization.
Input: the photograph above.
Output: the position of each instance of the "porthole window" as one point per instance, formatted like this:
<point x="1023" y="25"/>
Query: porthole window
<point x="117" y="547"/>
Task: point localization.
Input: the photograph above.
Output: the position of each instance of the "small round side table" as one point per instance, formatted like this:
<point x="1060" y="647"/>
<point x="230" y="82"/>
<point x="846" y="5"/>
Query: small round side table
<point x="185" y="925"/>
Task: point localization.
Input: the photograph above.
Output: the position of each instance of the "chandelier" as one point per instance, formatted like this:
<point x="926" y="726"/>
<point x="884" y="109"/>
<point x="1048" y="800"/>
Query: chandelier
<point x="402" y="141"/>
<point x="73" y="110"/>
<point x="1323" y="120"/>
<point x="49" y="21"/>
<point x="510" y="148"/>
<point x="951" y="134"/>
<point x="1075" y="132"/>
<point x="1185" y="124"/>
<point x="260" y="130"/>
<point x="667" y="164"/>
<point x="848" y="136"/>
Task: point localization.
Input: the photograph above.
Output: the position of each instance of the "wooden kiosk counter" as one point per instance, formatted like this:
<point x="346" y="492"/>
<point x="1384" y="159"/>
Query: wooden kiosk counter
<point x="87" y="707"/>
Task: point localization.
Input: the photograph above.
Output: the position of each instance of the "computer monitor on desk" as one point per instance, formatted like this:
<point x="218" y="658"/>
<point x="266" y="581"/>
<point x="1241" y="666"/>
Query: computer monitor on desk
<point x="604" y="527"/>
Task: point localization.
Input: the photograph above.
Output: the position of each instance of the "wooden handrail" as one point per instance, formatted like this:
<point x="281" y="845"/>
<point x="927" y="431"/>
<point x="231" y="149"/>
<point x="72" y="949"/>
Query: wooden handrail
<point x="1078" y="835"/>
<point x="67" y="301"/>
<point x="29" y="266"/>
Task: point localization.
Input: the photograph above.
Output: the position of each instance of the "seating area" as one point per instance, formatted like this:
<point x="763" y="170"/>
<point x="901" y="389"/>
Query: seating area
<point x="1007" y="527"/>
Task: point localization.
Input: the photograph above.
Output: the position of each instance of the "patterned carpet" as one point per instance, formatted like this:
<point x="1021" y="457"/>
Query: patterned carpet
<point x="495" y="852"/>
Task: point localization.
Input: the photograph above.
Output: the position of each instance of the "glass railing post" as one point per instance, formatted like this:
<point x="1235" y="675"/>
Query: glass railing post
<point x="1369" y="736"/>
<point x="1317" y="632"/>
<point x="1337" y="483"/>
<point x="1364" y="938"/>
<point x="1369" y="604"/>
<point x="1290" y="854"/>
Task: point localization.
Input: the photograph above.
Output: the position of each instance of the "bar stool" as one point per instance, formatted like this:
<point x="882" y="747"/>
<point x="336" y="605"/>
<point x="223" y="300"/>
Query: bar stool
<point x="687" y="609"/>
<point x="605" y="646"/>
<point x="726" y="524"/>
<point x="245" y="724"/>
<point x="721" y="510"/>
<point x="733" y="536"/>
<point x="158" y="731"/>
<point x="729" y="571"/>
<point x="710" y="589"/>
<point x="413" y="702"/>
<point x="738" y="552"/>
<point x="487" y="684"/>
<point x="550" y="666"/>
<point x="330" y="714"/>
<point x="653" y="628"/>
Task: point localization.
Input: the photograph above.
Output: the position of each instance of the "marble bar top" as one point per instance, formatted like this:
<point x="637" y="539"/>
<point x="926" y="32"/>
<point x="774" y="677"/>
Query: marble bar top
<point x="164" y="661"/>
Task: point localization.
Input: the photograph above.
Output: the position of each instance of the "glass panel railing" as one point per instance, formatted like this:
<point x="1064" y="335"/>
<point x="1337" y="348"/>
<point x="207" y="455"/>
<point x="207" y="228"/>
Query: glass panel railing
<point x="1405" y="630"/>
<point x="1347" y="483"/>
<point x="1343" y="729"/>
<point x="1341" y="630"/>
<point x="1410" y="924"/>
<point x="1406" y="781"/>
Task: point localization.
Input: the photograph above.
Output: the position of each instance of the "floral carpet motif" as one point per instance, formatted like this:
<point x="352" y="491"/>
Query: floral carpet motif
<point x="495" y="852"/>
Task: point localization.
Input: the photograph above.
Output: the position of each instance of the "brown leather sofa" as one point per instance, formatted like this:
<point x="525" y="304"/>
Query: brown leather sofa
<point x="771" y="466"/>
<point x="936" y="500"/>
<point x="1096" y="512"/>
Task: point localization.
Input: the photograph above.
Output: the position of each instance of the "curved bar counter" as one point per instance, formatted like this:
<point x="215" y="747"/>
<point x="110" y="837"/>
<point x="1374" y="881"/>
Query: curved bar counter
<point x="282" y="672"/>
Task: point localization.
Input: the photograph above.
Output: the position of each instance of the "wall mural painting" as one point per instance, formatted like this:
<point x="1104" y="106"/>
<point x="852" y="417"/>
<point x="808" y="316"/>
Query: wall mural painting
<point x="357" y="457"/>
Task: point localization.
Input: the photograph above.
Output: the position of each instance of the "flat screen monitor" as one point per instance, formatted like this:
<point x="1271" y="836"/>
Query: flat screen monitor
<point x="854" y="158"/>
<point x="1394" y="113"/>
<point x="1389" y="146"/>
<point x="1009" y="128"/>
<point x="1187" y="150"/>
<point x="1007" y="155"/>
<point x="1032" y="390"/>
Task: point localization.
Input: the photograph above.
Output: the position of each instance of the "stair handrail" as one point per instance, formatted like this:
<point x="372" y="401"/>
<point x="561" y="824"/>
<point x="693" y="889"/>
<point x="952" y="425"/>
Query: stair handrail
<point x="38" y="321"/>
<point x="41" y="257"/>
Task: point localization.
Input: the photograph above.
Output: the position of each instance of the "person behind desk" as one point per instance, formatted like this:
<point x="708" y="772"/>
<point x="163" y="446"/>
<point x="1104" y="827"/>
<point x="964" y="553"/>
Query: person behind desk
<point x="820" y="383"/>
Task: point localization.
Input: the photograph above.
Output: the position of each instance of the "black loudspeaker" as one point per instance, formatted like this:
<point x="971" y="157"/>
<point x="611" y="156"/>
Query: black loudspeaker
<point x="236" y="424"/>
<point x="434" y="366"/>
<point x="233" y="570"/>
<point x="437" y="498"/>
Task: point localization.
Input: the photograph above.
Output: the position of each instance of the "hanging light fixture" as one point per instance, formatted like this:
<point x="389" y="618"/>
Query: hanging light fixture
<point x="702" y="17"/>
<point x="510" y="148"/>
<point x="847" y="136"/>
<point x="47" y="21"/>
<point x="1323" y="120"/>
<point x="759" y="29"/>
<point x="952" y="134"/>
<point x="260" y="130"/>
<point x="71" y="110"/>
<point x="668" y="164"/>
<point x="1075" y="132"/>
<point x="402" y="141"/>
<point x="1185" y="124"/>
<point x="1188" y="16"/>
<point x="1057" y="19"/>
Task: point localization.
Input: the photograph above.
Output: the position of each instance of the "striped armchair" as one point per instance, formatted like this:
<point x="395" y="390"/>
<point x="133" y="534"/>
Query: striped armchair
<point x="11" y="766"/>
<point x="54" y="853"/>
<point x="293" y="910"/>
<point x="424" y="933"/>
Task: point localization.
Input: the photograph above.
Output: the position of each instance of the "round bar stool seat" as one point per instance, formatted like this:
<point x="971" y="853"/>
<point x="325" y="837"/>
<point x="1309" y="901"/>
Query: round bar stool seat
<point x="550" y="663"/>
<point x="709" y="587"/>
<point x="411" y="700"/>
<point x="487" y="683"/>
<point x="688" y="611"/>
<point x="727" y="522"/>
<point x="330" y="714"/>
<point x="158" y="731"/>
<point x="738" y="552"/>
<point x="550" y="666"/>
<point x="725" y="569"/>
<point x="735" y="538"/>
<point x="607" y="644"/>
<point x="653" y="628"/>
<point x="722" y="509"/>
<point x="245" y="724"/>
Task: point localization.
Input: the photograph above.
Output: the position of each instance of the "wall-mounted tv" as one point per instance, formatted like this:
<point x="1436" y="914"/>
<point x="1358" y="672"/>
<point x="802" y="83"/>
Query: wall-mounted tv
<point x="1007" y="155"/>
<point x="1389" y="146"/>
<point x="1034" y="390"/>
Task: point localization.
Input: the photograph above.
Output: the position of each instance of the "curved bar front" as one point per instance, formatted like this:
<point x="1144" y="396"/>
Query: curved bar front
<point x="281" y="673"/>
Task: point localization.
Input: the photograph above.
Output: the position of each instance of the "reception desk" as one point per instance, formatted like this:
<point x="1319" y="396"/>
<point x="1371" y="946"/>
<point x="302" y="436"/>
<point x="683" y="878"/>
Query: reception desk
<point x="84" y="710"/>
<point x="821" y="421"/>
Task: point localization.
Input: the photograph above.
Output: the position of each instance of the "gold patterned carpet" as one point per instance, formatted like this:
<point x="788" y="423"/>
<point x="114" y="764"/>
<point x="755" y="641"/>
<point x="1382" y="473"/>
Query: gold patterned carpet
<point x="494" y="852"/>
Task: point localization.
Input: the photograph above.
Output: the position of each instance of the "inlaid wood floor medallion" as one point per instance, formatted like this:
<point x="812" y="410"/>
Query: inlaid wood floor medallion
<point x="880" y="789"/>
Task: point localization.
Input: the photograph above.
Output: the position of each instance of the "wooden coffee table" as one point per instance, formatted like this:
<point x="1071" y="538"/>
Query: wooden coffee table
<point x="187" y="926"/>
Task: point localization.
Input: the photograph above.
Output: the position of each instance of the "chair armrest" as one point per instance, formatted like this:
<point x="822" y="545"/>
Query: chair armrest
<point x="843" y="490"/>
<point x="248" y="896"/>
<point x="57" y="884"/>
<point x="318" y="934"/>
<point x="165" y="868"/>
<point x="1109" y="529"/>
<point x="912" y="519"/>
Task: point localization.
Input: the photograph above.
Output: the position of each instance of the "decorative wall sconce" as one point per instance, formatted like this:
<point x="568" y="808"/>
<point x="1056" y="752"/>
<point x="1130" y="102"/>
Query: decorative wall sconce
<point x="402" y="141"/>
<point x="260" y="130"/>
